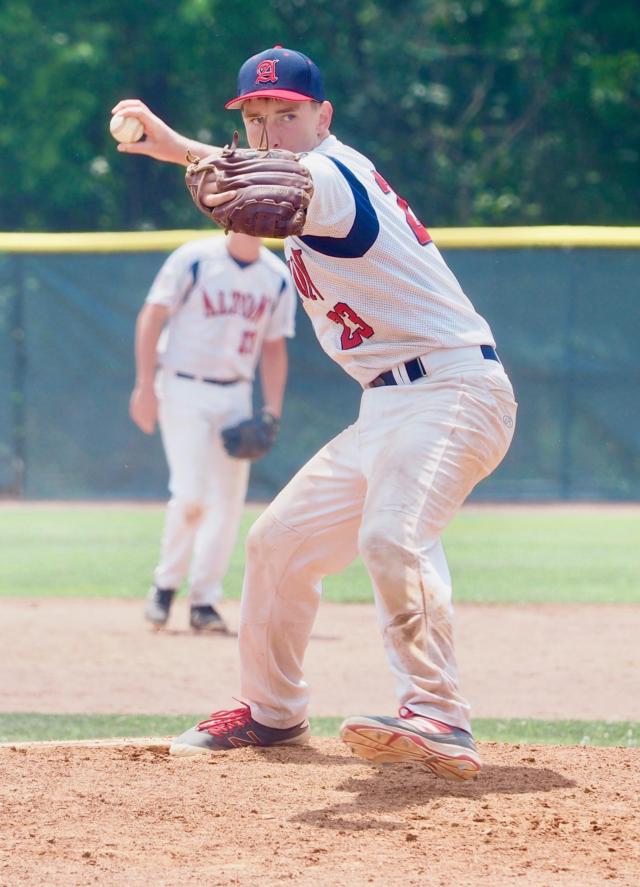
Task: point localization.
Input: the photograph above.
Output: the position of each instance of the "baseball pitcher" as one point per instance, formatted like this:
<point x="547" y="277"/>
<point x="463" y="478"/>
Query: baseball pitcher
<point x="437" y="415"/>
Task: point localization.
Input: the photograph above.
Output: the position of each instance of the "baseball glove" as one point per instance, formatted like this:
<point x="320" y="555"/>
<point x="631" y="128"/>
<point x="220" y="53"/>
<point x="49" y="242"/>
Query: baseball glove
<point x="273" y="190"/>
<point x="252" y="438"/>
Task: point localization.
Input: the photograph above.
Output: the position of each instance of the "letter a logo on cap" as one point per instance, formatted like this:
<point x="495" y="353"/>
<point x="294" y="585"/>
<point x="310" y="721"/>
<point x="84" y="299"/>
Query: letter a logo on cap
<point x="266" y="71"/>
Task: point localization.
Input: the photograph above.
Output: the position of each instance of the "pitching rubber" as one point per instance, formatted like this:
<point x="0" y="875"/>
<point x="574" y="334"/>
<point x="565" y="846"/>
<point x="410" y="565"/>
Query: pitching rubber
<point x="379" y="744"/>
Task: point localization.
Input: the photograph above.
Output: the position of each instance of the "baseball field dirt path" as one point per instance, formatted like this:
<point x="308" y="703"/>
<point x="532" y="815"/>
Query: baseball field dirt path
<point x="98" y="656"/>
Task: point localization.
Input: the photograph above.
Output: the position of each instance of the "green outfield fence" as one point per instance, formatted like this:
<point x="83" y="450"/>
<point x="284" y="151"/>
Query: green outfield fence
<point x="563" y="302"/>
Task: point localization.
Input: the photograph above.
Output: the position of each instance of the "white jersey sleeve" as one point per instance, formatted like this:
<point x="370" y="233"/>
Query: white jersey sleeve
<point x="332" y="208"/>
<point x="177" y="276"/>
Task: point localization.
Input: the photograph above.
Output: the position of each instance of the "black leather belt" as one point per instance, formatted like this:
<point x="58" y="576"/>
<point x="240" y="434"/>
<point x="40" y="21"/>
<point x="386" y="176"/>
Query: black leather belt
<point x="416" y="370"/>
<point x="210" y="381"/>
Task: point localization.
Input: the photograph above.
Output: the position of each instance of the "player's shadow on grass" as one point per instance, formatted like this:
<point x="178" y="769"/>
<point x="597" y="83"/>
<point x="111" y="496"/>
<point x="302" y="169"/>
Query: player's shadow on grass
<point x="391" y="789"/>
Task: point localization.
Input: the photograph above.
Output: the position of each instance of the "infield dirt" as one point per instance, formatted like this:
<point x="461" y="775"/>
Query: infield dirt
<point x="130" y="815"/>
<point x="65" y="655"/>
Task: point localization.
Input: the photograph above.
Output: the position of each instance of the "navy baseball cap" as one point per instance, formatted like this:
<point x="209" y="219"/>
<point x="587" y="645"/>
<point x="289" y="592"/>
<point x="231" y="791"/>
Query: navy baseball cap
<point x="278" y="73"/>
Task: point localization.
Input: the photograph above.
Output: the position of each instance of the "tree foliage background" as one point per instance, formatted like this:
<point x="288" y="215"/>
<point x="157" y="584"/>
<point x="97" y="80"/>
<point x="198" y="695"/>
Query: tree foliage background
<point x="480" y="112"/>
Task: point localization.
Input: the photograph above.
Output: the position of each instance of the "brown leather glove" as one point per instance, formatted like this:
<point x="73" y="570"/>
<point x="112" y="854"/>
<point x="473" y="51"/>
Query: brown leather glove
<point x="273" y="190"/>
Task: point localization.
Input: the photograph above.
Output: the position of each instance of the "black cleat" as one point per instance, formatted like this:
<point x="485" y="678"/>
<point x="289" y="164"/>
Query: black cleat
<point x="158" y="605"/>
<point x="207" y="618"/>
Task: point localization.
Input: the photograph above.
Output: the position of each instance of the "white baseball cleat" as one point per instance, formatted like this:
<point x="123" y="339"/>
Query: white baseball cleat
<point x="446" y="751"/>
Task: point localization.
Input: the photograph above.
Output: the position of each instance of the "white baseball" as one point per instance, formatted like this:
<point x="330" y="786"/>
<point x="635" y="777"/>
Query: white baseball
<point x="126" y="129"/>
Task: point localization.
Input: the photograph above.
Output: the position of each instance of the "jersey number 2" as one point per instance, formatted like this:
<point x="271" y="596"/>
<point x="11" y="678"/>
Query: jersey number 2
<point x="422" y="235"/>
<point x="247" y="342"/>
<point x="354" y="329"/>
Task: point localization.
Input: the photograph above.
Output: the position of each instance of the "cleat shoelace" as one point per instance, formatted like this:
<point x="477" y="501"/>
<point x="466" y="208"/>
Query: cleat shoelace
<point x="220" y="722"/>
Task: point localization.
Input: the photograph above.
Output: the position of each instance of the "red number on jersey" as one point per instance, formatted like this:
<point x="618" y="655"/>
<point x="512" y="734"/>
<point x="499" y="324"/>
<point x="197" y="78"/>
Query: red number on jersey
<point x="247" y="342"/>
<point x="354" y="329"/>
<point x="421" y="233"/>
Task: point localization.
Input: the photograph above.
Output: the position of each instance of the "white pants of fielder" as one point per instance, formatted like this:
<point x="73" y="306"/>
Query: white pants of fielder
<point x="208" y="487"/>
<point x="385" y="488"/>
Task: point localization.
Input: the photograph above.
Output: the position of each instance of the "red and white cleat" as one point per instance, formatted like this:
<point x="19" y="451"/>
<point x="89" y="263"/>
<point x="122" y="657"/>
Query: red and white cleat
<point x="446" y="751"/>
<point x="235" y="729"/>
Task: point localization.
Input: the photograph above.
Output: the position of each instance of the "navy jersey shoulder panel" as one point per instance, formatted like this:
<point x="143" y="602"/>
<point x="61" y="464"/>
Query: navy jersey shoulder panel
<point x="276" y="301"/>
<point x="195" y="267"/>
<point x="364" y="230"/>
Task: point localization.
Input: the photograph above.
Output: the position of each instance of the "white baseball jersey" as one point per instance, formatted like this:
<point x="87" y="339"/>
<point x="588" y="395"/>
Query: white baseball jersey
<point x="221" y="310"/>
<point x="395" y="298"/>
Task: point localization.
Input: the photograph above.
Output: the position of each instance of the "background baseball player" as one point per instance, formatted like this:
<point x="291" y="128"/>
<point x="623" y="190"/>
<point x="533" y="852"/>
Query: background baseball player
<point x="437" y="415"/>
<point x="224" y="304"/>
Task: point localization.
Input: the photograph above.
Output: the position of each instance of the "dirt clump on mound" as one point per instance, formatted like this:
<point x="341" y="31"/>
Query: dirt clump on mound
<point x="128" y="814"/>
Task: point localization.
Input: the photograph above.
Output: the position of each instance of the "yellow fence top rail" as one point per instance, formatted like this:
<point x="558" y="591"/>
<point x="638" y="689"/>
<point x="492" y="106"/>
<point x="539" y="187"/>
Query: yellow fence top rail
<point x="550" y="236"/>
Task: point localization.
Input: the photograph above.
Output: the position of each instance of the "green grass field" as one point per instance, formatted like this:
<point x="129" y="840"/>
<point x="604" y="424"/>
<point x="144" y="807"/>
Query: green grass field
<point x="31" y="727"/>
<point x="496" y="556"/>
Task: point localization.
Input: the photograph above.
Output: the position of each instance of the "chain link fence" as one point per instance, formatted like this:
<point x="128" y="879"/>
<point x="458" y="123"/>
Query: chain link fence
<point x="564" y="308"/>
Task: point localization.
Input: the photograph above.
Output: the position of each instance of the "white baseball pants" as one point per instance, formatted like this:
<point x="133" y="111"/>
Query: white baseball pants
<point x="385" y="488"/>
<point x="208" y="487"/>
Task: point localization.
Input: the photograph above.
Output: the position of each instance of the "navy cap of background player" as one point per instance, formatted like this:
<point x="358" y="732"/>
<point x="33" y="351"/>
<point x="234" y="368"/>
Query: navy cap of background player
<point x="278" y="73"/>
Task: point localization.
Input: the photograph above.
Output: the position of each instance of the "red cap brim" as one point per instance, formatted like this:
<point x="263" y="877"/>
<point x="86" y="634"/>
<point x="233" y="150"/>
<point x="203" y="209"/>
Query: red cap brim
<point x="285" y="94"/>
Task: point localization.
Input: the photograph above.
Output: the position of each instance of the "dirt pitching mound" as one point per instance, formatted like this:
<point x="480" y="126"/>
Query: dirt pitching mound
<point x="128" y="814"/>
